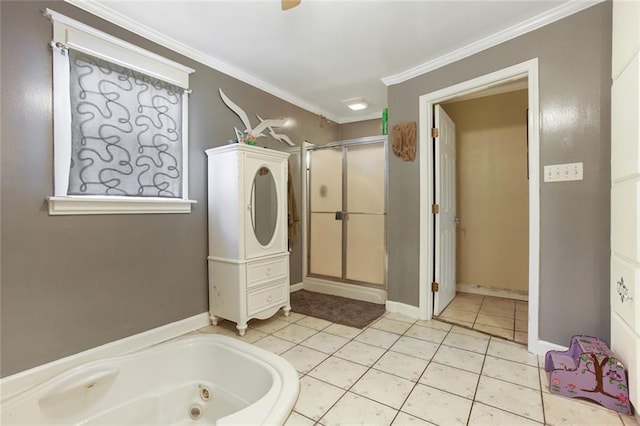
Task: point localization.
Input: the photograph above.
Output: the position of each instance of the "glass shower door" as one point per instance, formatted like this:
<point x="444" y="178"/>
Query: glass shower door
<point x="347" y="213"/>
<point x="325" y="199"/>
<point x="365" y="206"/>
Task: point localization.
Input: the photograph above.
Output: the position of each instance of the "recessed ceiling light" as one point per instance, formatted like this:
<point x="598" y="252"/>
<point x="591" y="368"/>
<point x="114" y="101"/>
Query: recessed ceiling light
<point x="356" y="104"/>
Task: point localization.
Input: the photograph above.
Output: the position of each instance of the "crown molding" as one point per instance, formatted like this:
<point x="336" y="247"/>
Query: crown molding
<point x="96" y="8"/>
<point x="566" y="9"/>
<point x="355" y="118"/>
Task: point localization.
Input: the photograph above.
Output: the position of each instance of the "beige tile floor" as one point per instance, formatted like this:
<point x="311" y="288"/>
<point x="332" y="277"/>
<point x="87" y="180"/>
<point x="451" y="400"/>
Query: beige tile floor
<point x="505" y="318"/>
<point x="405" y="372"/>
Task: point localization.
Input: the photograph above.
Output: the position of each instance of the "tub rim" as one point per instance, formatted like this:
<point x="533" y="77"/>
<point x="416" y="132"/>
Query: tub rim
<point x="282" y="392"/>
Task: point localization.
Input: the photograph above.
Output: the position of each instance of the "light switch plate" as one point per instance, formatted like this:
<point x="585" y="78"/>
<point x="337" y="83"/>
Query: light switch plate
<point x="563" y="172"/>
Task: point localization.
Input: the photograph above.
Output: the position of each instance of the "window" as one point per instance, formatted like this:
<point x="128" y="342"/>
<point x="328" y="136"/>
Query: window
<point x="120" y="125"/>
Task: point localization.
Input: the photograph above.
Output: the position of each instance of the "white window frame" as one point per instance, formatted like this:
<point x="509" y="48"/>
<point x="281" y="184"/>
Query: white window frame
<point x="69" y="33"/>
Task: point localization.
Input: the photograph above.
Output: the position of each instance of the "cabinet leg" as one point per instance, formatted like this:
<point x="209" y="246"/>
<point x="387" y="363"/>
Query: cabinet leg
<point x="214" y="319"/>
<point x="242" y="328"/>
<point x="286" y="310"/>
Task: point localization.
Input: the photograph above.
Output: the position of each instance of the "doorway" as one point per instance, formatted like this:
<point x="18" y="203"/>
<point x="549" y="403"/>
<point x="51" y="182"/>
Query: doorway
<point x="489" y="216"/>
<point x="428" y="299"/>
<point x="346" y="219"/>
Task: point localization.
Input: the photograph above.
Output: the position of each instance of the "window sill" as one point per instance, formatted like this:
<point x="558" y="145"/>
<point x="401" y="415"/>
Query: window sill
<point x="81" y="205"/>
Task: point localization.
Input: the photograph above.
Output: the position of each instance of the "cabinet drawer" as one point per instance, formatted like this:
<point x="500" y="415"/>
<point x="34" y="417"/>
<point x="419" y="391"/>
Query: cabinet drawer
<point x="625" y="344"/>
<point x="625" y="219"/>
<point x="263" y="271"/>
<point x="265" y="297"/>
<point x="625" y="279"/>
<point x="625" y="132"/>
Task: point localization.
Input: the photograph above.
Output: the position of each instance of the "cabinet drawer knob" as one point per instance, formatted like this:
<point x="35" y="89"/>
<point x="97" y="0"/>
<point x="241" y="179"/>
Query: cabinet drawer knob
<point x="268" y="271"/>
<point x="269" y="298"/>
<point x="623" y="291"/>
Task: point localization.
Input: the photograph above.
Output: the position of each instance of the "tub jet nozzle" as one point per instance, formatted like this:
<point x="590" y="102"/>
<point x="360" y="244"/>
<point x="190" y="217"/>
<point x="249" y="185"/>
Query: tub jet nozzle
<point x="205" y="393"/>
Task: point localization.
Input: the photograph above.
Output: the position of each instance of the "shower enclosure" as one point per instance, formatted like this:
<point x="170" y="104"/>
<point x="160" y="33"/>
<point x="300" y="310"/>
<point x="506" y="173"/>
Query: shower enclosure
<point x="346" y="212"/>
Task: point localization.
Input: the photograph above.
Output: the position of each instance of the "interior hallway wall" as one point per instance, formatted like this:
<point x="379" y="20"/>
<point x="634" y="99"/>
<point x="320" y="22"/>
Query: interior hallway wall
<point x="574" y="57"/>
<point x="492" y="191"/>
<point x="71" y="283"/>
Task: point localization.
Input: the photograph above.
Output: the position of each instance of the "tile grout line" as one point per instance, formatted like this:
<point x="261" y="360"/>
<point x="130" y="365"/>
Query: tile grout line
<point x="360" y="377"/>
<point x="369" y="368"/>
<point x="505" y="381"/>
<point x="415" y="385"/>
<point x="475" y="393"/>
<point x="512" y="329"/>
<point x="386" y="351"/>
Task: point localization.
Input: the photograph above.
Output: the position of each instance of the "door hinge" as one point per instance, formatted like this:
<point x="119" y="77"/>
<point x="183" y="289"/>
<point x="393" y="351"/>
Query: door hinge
<point x="434" y="132"/>
<point x="435" y="287"/>
<point x="435" y="208"/>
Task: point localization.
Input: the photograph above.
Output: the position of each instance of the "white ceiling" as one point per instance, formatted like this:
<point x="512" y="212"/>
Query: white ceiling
<point x="323" y="52"/>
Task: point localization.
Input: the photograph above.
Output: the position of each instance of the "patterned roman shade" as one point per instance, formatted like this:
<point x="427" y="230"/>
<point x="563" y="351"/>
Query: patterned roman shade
<point x="126" y="131"/>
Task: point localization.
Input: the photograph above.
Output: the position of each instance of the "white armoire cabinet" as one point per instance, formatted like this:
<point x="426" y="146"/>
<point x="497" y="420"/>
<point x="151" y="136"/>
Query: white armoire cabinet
<point x="248" y="256"/>
<point x="625" y="191"/>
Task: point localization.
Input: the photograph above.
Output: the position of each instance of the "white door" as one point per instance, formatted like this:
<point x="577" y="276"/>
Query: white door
<point x="445" y="220"/>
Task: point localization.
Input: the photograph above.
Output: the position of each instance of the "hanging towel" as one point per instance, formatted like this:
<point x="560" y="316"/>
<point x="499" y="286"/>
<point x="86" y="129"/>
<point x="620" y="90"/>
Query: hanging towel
<point x="292" y="210"/>
<point x="403" y="140"/>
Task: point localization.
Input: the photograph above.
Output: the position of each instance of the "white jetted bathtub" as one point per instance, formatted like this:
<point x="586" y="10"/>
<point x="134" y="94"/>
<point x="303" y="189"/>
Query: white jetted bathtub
<point x="200" y="379"/>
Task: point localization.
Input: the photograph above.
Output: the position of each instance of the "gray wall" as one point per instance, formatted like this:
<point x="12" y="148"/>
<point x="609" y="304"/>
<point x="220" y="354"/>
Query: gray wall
<point x="575" y="77"/>
<point x="359" y="129"/>
<point x="73" y="283"/>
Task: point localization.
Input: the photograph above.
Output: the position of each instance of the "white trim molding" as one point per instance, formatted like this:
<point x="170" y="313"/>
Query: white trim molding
<point x="528" y="70"/>
<point x="104" y="12"/>
<point x="87" y="204"/>
<point x="494" y="292"/>
<point x="69" y="33"/>
<point x="295" y="287"/>
<point x="548" y="17"/>
<point x="375" y="115"/>
<point x="544" y="347"/>
<point x="82" y="37"/>
<point x="351" y="291"/>
<point x="11" y="385"/>
<point x="403" y="309"/>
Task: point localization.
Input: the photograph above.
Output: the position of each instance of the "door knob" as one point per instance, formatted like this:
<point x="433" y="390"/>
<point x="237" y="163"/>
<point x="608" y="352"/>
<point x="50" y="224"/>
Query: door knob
<point x="457" y="220"/>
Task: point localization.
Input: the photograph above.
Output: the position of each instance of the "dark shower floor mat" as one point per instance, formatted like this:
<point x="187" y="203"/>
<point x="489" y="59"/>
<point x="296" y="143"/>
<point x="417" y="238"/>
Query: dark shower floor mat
<point x="340" y="310"/>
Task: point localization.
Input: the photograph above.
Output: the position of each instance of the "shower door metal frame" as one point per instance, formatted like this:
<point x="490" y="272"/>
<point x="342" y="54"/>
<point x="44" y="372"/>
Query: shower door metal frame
<point x="343" y="145"/>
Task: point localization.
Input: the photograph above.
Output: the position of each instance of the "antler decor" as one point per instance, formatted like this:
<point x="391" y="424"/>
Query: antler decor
<point x="253" y="133"/>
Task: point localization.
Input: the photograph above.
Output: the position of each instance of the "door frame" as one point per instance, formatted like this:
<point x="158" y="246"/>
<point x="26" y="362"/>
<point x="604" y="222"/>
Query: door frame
<point x="528" y="69"/>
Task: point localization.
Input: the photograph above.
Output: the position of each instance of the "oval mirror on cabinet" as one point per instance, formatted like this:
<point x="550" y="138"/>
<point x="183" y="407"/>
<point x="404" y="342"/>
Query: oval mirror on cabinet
<point x="264" y="200"/>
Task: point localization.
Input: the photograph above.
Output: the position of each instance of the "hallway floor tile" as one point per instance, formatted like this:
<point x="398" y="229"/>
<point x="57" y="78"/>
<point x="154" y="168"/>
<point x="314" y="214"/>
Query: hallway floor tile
<point x="497" y="316"/>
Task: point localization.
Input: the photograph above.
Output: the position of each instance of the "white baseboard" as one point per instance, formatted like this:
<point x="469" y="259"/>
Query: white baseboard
<point x="296" y="287"/>
<point x="366" y="294"/>
<point x="495" y="292"/>
<point x="23" y="380"/>
<point x="403" y="309"/>
<point x="544" y="347"/>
